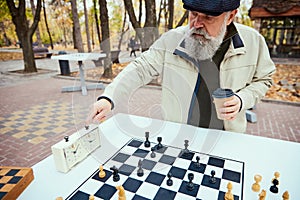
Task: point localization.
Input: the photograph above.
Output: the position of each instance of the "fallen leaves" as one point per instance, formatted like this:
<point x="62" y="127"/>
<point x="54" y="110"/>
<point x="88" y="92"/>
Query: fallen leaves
<point x="286" y="83"/>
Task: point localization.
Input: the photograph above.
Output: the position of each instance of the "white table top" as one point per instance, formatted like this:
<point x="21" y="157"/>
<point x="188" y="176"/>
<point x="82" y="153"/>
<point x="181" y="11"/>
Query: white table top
<point x="261" y="155"/>
<point x="79" y="56"/>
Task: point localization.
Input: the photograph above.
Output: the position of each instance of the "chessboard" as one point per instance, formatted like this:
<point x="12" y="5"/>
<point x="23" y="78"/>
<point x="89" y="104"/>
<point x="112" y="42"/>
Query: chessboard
<point x="163" y="172"/>
<point x="13" y="181"/>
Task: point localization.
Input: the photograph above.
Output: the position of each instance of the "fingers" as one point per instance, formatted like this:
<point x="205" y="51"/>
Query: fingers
<point x="100" y="117"/>
<point x="98" y="111"/>
<point x="230" y="109"/>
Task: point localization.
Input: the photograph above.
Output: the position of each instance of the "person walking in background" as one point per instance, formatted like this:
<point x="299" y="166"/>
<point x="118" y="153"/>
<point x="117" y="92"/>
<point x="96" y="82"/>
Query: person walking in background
<point x="132" y="45"/>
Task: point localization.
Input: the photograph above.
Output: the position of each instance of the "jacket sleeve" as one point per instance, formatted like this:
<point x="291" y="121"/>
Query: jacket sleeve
<point x="136" y="74"/>
<point x="261" y="80"/>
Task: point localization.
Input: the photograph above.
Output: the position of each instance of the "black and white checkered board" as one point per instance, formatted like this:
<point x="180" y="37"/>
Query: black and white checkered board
<point x="153" y="184"/>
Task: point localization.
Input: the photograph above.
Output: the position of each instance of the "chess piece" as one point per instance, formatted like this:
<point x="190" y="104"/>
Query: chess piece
<point x="228" y="194"/>
<point x="186" y="144"/>
<point x="152" y="155"/>
<point x="190" y="184"/>
<point x="116" y="176"/>
<point x="169" y="181"/>
<point x="140" y="171"/>
<point x="276" y="176"/>
<point x="256" y="186"/>
<point x="91" y="197"/>
<point x="197" y="164"/>
<point x="147" y="143"/>
<point x="121" y="192"/>
<point x="159" y="145"/>
<point x="262" y="195"/>
<point x="59" y="198"/>
<point x="102" y="173"/>
<point x="274" y="187"/>
<point x="286" y="195"/>
<point x="66" y="138"/>
<point x="213" y="179"/>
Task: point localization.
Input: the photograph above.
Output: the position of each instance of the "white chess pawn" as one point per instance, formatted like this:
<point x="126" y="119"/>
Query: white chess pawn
<point x="256" y="186"/>
<point x="228" y="194"/>
<point x="102" y="173"/>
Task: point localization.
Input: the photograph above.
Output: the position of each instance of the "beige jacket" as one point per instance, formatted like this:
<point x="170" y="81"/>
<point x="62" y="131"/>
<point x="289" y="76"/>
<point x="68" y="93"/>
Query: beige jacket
<point x="246" y="69"/>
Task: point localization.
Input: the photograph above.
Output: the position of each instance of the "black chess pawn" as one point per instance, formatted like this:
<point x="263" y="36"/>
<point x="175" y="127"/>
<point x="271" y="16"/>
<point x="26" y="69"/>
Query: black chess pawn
<point x="152" y="155"/>
<point x="190" y="185"/>
<point x="159" y="145"/>
<point x="169" y="181"/>
<point x="197" y="164"/>
<point x="213" y="179"/>
<point x="147" y="142"/>
<point x="140" y="171"/>
<point x="274" y="187"/>
<point x="116" y="176"/>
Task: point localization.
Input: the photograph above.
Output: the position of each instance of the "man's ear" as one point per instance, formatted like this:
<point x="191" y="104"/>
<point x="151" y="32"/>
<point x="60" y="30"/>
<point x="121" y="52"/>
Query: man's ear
<point x="231" y="16"/>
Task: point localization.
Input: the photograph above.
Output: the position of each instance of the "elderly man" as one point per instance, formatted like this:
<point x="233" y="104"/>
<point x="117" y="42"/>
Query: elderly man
<point x="211" y="52"/>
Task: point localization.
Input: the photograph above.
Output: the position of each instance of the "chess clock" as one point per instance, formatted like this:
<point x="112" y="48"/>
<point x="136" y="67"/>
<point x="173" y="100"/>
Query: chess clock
<point x="74" y="148"/>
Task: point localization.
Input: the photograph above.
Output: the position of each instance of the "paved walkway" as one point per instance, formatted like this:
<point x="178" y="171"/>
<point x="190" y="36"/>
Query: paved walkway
<point x="35" y="114"/>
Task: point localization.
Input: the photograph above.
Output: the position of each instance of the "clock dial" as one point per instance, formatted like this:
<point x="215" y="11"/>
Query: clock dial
<point x="73" y="153"/>
<point x="91" y="140"/>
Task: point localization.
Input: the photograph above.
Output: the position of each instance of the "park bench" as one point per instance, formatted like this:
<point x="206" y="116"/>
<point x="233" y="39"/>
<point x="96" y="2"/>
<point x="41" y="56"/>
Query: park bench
<point x="114" y="58"/>
<point x="41" y="52"/>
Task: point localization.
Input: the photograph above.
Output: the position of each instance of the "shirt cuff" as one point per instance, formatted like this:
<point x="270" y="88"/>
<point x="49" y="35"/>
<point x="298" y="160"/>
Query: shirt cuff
<point x="241" y="102"/>
<point x="108" y="99"/>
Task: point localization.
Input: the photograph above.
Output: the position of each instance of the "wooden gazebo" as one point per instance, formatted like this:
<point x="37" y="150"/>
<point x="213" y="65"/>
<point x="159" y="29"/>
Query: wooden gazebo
<point x="279" y="22"/>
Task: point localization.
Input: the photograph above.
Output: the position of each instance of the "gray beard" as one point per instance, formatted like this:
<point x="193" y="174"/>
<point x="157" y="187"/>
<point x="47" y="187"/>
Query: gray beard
<point x="202" y="50"/>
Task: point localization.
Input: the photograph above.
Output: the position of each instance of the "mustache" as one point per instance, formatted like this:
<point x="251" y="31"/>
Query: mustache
<point x="200" y="31"/>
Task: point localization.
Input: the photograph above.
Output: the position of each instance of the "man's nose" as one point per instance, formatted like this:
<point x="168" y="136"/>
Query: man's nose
<point x="198" y="22"/>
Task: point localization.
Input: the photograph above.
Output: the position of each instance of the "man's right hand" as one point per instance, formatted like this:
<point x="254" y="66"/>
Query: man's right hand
<point x="98" y="111"/>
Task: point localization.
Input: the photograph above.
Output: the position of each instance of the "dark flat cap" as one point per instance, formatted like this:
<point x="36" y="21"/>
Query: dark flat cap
<point x="211" y="7"/>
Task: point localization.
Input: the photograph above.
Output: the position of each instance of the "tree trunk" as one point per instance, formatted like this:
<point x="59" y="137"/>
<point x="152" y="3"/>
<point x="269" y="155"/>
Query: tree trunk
<point x="77" y="32"/>
<point x="140" y="11"/>
<point x="150" y="29"/>
<point x="133" y="20"/>
<point x="97" y="22"/>
<point x="87" y="30"/>
<point x="24" y="32"/>
<point x="46" y="23"/>
<point x="171" y="14"/>
<point x="166" y="14"/>
<point x="183" y="18"/>
<point x="149" y="33"/>
<point x="159" y="12"/>
<point x="123" y="31"/>
<point x="105" y="44"/>
<point x="37" y="31"/>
